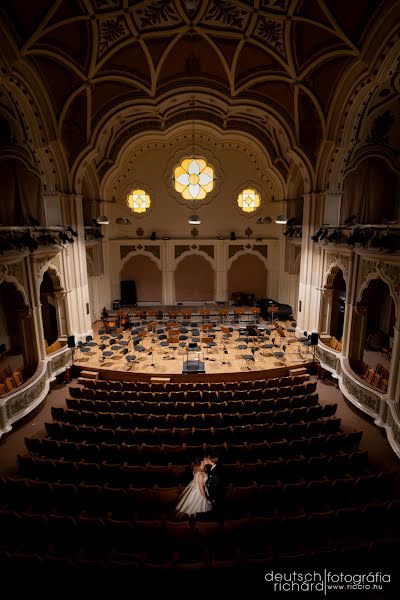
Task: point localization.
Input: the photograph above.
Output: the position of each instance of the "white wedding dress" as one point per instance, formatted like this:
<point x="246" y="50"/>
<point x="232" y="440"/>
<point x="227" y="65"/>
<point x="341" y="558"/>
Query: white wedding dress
<point x="191" y="501"/>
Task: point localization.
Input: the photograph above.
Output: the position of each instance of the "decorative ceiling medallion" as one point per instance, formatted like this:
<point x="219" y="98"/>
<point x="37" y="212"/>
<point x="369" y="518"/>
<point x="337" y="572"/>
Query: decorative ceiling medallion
<point x="159" y="13"/>
<point x="112" y="30"/>
<point x="226" y="13"/>
<point x="249" y="200"/>
<point x="271" y="33"/>
<point x="138" y="201"/>
<point x="193" y="178"/>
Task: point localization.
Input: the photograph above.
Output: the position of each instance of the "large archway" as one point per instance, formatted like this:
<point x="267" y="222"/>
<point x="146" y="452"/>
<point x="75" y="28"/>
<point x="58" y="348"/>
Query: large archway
<point x="374" y="327"/>
<point x="147" y="277"/>
<point x="248" y="275"/>
<point x="17" y="338"/>
<point x="194" y="280"/>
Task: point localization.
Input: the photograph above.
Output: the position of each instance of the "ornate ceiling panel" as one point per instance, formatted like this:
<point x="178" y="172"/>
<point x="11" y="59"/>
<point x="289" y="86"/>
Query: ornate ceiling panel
<point x="95" y="55"/>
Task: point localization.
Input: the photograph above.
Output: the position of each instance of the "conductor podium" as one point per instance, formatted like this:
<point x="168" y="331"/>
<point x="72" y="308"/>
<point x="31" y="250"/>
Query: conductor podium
<point x="194" y="362"/>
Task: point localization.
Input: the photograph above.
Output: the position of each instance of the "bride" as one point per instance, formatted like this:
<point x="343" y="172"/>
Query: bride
<point x="193" y="498"/>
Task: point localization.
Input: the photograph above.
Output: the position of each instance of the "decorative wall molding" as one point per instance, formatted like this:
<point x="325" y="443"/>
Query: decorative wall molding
<point x="341" y="261"/>
<point x="389" y="272"/>
<point x="17" y="404"/>
<point x="13" y="272"/>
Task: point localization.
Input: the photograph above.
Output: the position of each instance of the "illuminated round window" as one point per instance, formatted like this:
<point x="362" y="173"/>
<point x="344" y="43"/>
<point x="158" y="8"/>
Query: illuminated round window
<point x="193" y="178"/>
<point x="249" y="200"/>
<point x="138" y="201"/>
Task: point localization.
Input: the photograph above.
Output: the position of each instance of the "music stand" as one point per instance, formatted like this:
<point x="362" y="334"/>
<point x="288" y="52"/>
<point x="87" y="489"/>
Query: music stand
<point x="272" y="310"/>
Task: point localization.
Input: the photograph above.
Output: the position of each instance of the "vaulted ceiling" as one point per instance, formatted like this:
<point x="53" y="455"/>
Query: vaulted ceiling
<point x="97" y="57"/>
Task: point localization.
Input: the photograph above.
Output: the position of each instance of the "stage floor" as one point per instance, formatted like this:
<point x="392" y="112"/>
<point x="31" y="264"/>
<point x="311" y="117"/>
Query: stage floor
<point x="225" y="357"/>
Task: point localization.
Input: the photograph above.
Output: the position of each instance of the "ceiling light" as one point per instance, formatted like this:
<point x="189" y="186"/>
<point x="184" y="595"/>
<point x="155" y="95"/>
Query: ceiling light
<point x="281" y="220"/>
<point x="103" y="220"/>
<point x="194" y="220"/>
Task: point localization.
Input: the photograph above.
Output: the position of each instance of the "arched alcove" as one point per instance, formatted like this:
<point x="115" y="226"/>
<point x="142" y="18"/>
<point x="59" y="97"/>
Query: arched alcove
<point x="49" y="309"/>
<point x="17" y="337"/>
<point x="370" y="191"/>
<point x="147" y="276"/>
<point x="338" y="305"/>
<point x="248" y="275"/>
<point x="23" y="190"/>
<point x="194" y="279"/>
<point x="373" y="325"/>
<point x="380" y="314"/>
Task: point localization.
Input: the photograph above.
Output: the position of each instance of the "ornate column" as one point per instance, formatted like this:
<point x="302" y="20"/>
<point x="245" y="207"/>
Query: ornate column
<point x="221" y="271"/>
<point x="62" y="320"/>
<point x="75" y="268"/>
<point x="37" y="264"/>
<point x="325" y="310"/>
<point x="351" y="293"/>
<point x="356" y="343"/>
<point x="309" y="297"/>
<point x="168" y="272"/>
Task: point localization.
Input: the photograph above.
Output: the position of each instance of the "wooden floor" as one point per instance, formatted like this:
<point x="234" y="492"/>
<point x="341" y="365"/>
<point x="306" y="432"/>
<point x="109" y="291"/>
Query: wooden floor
<point x="226" y="357"/>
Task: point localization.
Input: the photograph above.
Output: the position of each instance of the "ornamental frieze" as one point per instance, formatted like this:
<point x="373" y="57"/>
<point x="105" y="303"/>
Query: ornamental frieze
<point x="153" y="250"/>
<point x="366" y="398"/>
<point x="22" y="401"/>
<point x="389" y="272"/>
<point x="342" y="261"/>
<point x="234" y="249"/>
<point x="209" y="250"/>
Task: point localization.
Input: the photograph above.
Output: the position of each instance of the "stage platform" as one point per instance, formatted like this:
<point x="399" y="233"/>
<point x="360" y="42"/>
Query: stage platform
<point x="234" y="350"/>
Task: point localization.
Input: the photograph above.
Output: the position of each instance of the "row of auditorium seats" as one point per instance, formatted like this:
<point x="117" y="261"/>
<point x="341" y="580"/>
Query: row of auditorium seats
<point x="190" y="395"/>
<point x="131" y="420"/>
<point x="251" y="499"/>
<point x="102" y="486"/>
<point x="323" y="443"/>
<point x="258" y="431"/>
<point x="341" y="464"/>
<point x="146" y="386"/>
<point x="167" y="407"/>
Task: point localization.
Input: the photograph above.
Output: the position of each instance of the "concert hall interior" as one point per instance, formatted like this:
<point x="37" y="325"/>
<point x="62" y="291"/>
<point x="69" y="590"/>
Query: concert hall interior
<point x="199" y="256"/>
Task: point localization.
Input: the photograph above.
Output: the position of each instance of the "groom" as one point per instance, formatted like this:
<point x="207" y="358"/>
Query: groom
<point x="214" y="484"/>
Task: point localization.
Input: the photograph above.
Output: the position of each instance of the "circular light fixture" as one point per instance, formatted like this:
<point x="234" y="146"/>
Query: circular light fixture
<point x="281" y="219"/>
<point x="103" y="220"/>
<point x="194" y="220"/>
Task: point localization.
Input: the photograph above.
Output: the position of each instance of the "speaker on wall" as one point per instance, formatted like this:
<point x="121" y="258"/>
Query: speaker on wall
<point x="233" y="235"/>
<point x="128" y="293"/>
<point x="314" y="338"/>
<point x="71" y="341"/>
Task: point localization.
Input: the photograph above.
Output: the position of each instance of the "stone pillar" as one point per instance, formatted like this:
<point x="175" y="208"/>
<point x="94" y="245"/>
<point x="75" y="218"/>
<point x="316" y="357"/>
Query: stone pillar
<point x="358" y="319"/>
<point x="27" y="332"/>
<point x="34" y="284"/>
<point x="168" y="272"/>
<point x="325" y="310"/>
<point x="75" y="268"/>
<point x="310" y="266"/>
<point x="62" y="321"/>
<point x="351" y="299"/>
<point x="221" y="271"/>
<point x="332" y="202"/>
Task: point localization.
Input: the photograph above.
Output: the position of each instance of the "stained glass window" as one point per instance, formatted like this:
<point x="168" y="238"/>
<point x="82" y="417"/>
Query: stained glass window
<point x="249" y="200"/>
<point x="138" y="201"/>
<point x="193" y="178"/>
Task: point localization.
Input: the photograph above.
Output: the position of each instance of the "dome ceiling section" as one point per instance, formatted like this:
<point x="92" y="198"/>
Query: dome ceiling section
<point x="269" y="51"/>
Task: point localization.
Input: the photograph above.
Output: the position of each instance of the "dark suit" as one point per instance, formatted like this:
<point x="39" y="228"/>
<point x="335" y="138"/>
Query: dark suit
<point x="215" y="489"/>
